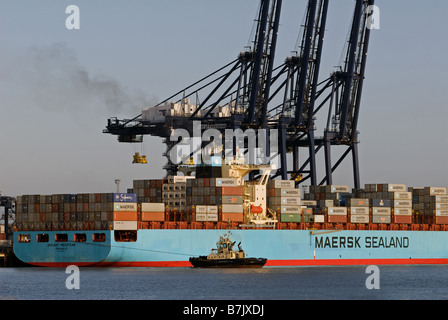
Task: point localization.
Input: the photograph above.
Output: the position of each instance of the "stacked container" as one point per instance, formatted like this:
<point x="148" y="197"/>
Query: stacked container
<point x="285" y="199"/>
<point x="327" y="202"/>
<point x="430" y="204"/>
<point x="89" y="211"/>
<point x="381" y="210"/>
<point x="152" y="212"/>
<point x="359" y="210"/>
<point x="204" y="213"/>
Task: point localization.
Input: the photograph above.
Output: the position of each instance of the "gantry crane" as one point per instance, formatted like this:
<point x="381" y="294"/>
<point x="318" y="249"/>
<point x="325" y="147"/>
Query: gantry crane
<point x="239" y="96"/>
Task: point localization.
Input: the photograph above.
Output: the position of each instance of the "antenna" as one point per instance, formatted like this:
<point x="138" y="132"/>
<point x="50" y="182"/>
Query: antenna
<point x="117" y="182"/>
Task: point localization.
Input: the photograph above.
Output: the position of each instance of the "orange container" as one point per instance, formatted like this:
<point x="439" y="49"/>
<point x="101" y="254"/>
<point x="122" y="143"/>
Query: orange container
<point x="153" y="216"/>
<point x="229" y="191"/>
<point x="125" y="216"/>
<point x="403" y="219"/>
<point x="236" y="217"/>
<point x="441" y="220"/>
<point x="337" y="219"/>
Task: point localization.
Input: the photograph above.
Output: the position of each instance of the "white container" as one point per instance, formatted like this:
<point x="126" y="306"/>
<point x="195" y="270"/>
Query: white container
<point x="402" y="203"/>
<point x="201" y="217"/>
<point x="286" y="184"/>
<point x="339" y="211"/>
<point x="290" y="209"/>
<point x="285" y="201"/>
<point x="403" y="211"/>
<point x="201" y="209"/>
<point x="400" y="196"/>
<point x="441" y="213"/>
<point x="224" y="182"/>
<point x="212" y="217"/>
<point x="309" y="203"/>
<point x="125" y="206"/>
<point x="359" y="210"/>
<point x="232" y="208"/>
<point x="381" y="211"/>
<point x="435" y="191"/>
<point x="359" y="218"/>
<point x="319" y="218"/>
<point x="153" y="207"/>
<point x="394" y="187"/>
<point x="212" y="210"/>
<point x="336" y="188"/>
<point x="287" y="192"/>
<point x="125" y="225"/>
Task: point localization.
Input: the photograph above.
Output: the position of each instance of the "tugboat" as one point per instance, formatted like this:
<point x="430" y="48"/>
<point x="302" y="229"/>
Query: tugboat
<point x="225" y="257"/>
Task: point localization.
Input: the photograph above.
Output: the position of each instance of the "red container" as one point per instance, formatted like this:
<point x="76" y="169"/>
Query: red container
<point x="232" y="217"/>
<point x="153" y="216"/>
<point x="337" y="219"/>
<point x="125" y="216"/>
<point x="42" y="217"/>
<point x="230" y="191"/>
<point x="403" y="219"/>
<point x="441" y="220"/>
<point x="37" y="208"/>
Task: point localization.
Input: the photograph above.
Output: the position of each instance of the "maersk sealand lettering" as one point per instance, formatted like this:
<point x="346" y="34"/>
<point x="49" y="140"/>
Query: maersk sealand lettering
<point x="337" y="242"/>
<point x="355" y="242"/>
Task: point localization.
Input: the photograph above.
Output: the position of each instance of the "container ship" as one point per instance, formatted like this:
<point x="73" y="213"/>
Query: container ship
<point x="164" y="222"/>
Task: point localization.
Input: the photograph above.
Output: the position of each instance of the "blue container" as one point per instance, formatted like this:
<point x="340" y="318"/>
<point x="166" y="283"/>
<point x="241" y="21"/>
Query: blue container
<point x="125" y="197"/>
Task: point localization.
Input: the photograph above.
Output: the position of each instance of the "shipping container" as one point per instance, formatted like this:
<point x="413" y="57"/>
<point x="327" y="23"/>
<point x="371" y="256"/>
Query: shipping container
<point x="393" y="187"/>
<point x="359" y="210"/>
<point x="229" y="191"/>
<point x="153" y="207"/>
<point x="125" y="225"/>
<point x="441" y="220"/>
<point x="383" y="211"/>
<point x="232" y="208"/>
<point x="434" y="191"/>
<point x="284" y="201"/>
<point x="232" y="217"/>
<point x="122" y="216"/>
<point x="284" y="192"/>
<point x="358" y="202"/>
<point x="381" y="219"/>
<point x="359" y="218"/>
<point x="441" y="213"/>
<point x="402" y="203"/>
<point x="201" y="217"/>
<point x="153" y="216"/>
<point x="380" y="203"/>
<point x="403" y="219"/>
<point x="337" y="218"/>
<point x="290" y="217"/>
<point x="309" y="203"/>
<point x="223" y="182"/>
<point x="342" y="211"/>
<point x="403" y="211"/>
<point x="125" y="206"/>
<point x="231" y="199"/>
<point x="319" y="218"/>
<point x="290" y="209"/>
<point x="285" y="184"/>
<point x="121" y="197"/>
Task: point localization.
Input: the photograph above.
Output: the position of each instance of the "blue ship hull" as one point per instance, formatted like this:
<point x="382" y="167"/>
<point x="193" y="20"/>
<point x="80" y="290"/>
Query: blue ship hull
<point x="174" y="247"/>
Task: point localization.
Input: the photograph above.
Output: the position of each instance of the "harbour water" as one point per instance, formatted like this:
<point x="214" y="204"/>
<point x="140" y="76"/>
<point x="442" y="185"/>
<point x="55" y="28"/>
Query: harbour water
<point x="318" y="283"/>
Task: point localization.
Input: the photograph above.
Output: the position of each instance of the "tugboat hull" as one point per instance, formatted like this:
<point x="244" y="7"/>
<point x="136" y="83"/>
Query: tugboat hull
<point x="203" y="262"/>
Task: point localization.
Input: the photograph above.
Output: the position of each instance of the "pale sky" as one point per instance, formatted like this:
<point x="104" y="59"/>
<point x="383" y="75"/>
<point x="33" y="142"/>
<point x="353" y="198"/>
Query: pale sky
<point x="58" y="87"/>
